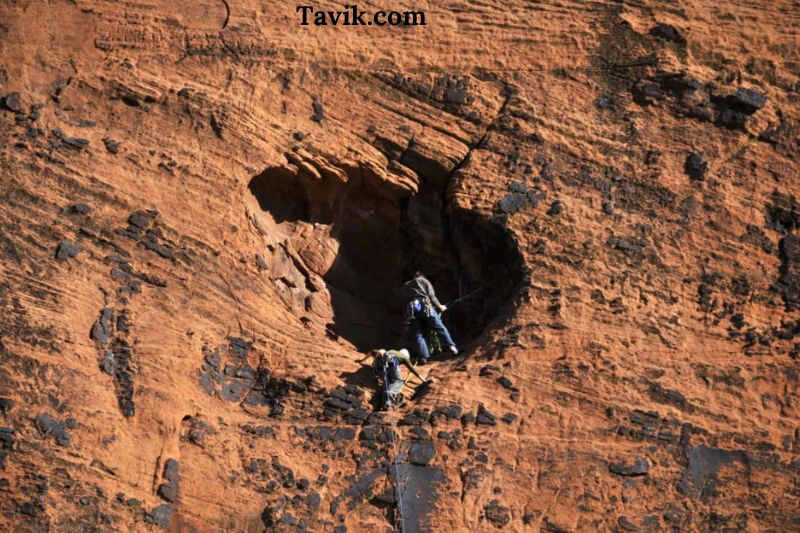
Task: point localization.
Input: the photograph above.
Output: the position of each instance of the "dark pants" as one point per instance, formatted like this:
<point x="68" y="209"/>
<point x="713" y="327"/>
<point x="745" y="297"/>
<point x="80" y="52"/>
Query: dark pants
<point x="420" y="323"/>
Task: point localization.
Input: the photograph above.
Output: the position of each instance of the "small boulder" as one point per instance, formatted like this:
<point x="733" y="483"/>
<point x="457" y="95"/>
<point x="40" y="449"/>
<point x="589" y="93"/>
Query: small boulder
<point x="498" y="515"/>
<point x="556" y="208"/>
<point x="169" y="489"/>
<point x="640" y="467"/>
<point x="47" y="425"/>
<point x="422" y="452"/>
<point x="485" y="417"/>
<point x="160" y="515"/>
<point x="6" y="404"/>
<point x="319" y="111"/>
<point x="646" y="92"/>
<point x="506" y="383"/>
<point x="79" y="209"/>
<point x="513" y="202"/>
<point x="67" y="249"/>
<point x="103" y="328"/>
<point x="695" y="167"/>
<point x="111" y="145"/>
<point x="748" y="100"/>
<point x="13" y="102"/>
<point x="667" y="32"/>
<point x="73" y="142"/>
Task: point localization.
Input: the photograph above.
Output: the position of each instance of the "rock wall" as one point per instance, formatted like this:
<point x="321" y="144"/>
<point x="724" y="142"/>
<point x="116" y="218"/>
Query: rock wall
<point x="207" y="210"/>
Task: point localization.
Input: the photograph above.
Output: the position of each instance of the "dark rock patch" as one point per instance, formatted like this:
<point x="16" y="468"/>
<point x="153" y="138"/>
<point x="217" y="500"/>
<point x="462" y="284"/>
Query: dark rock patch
<point x="506" y="383"/>
<point x="420" y="489"/>
<point x="661" y="394"/>
<point x="7" y="441"/>
<point x="359" y="491"/>
<point x="496" y="514"/>
<point x="512" y="202"/>
<point x="450" y="412"/>
<point x="233" y="391"/>
<point x="556" y="208"/>
<point x="103" y="328"/>
<point x="733" y="110"/>
<point x="111" y="145"/>
<point x="485" y="417"/>
<point x="640" y="467"/>
<point x="626" y="525"/>
<point x="704" y="298"/>
<point x="633" y="246"/>
<point x="6" y="404"/>
<point x="142" y="229"/>
<point x="419" y="433"/>
<point x="73" y="142"/>
<point x="318" y="111"/>
<point x="345" y="433"/>
<point x="689" y="97"/>
<point x="646" y="92"/>
<point x="747" y="100"/>
<point x="379" y="433"/>
<point x="667" y="32"/>
<point x="416" y="417"/>
<point x="169" y="489"/>
<point x="117" y="362"/>
<point x="67" y="249"/>
<point x="198" y="430"/>
<point x="50" y="426"/>
<point x="422" y="452"/>
<point x="160" y="515"/>
<point x="12" y="102"/>
<point x="77" y="209"/>
<point x="783" y="212"/>
<point x="788" y="284"/>
<point x="695" y="167"/>
<point x="509" y="418"/>
<point x="259" y="431"/>
<point x="701" y="477"/>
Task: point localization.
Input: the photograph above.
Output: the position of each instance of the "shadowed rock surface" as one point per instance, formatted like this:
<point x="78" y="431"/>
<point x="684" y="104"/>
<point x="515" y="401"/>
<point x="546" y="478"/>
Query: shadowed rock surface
<point x="207" y="211"/>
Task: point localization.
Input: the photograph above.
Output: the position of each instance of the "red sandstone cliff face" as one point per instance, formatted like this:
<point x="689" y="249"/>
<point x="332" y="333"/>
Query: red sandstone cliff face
<point x="207" y="209"/>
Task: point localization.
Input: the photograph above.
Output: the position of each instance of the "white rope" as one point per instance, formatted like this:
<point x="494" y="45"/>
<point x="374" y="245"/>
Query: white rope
<point x="398" y="490"/>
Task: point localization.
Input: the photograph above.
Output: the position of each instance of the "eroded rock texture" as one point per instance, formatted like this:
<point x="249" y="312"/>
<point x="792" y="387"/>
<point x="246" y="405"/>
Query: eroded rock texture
<point x="207" y="210"/>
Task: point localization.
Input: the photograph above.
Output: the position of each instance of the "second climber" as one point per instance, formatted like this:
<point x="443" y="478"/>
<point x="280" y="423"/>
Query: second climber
<point x="422" y="311"/>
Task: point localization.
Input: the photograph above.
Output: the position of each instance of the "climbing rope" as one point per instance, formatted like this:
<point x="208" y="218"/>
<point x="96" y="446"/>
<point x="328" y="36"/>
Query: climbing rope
<point x="398" y="490"/>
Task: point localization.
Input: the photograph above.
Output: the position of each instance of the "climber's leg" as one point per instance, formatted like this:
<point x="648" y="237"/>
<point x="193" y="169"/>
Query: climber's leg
<point x="436" y="324"/>
<point x="419" y="336"/>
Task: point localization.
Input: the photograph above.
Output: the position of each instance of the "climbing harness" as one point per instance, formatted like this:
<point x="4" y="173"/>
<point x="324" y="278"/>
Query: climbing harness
<point x="415" y="307"/>
<point x="388" y="367"/>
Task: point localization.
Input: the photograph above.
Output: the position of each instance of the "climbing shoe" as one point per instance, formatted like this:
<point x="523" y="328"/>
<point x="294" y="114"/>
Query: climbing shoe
<point x="453" y="349"/>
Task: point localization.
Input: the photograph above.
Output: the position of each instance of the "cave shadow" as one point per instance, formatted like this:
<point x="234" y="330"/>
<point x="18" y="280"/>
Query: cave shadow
<point x="382" y="236"/>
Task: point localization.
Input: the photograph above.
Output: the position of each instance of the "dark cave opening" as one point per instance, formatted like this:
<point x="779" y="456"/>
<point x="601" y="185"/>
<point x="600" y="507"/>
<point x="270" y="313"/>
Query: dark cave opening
<point x="381" y="235"/>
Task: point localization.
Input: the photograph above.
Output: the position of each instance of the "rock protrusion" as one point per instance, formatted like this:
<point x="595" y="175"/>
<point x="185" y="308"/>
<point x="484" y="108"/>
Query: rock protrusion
<point x="169" y="489"/>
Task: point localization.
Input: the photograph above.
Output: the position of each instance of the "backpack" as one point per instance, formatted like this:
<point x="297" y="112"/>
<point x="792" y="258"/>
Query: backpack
<point x="387" y="368"/>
